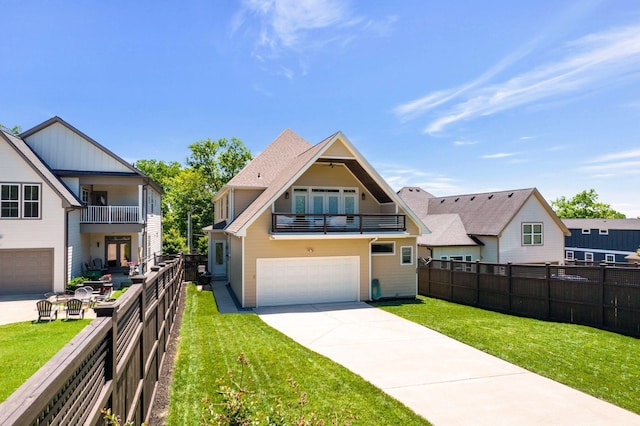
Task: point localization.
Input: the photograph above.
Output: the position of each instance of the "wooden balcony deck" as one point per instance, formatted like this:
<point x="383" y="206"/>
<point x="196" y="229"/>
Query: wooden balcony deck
<point x="332" y="223"/>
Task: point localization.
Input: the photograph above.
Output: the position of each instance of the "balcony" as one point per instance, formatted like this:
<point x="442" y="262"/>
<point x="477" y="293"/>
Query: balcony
<point x="110" y="214"/>
<point x="332" y="223"/>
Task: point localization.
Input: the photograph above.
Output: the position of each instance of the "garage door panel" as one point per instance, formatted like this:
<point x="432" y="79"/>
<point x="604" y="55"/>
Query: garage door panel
<point x="26" y="271"/>
<point x="289" y="281"/>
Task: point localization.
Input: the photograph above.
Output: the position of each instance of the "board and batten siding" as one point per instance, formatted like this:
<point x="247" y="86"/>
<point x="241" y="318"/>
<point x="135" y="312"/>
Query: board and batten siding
<point x="62" y="149"/>
<point x="511" y="247"/>
<point x="396" y="280"/>
<point x="48" y="232"/>
<point x="258" y="244"/>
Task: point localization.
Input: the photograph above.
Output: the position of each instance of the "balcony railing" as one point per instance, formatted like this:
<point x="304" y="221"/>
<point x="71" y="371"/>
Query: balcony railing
<point x="110" y="214"/>
<point x="330" y="223"/>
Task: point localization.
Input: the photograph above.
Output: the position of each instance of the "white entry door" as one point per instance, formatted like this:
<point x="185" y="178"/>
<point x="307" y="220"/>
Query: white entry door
<point x="294" y="281"/>
<point x="219" y="258"/>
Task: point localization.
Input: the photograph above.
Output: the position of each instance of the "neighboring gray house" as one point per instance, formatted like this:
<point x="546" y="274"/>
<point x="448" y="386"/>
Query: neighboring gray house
<point x="65" y="201"/>
<point x="515" y="226"/>
<point x="602" y="240"/>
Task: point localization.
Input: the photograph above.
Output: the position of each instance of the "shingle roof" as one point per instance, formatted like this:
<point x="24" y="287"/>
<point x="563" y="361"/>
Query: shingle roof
<point x="624" y="224"/>
<point x="481" y="214"/>
<point x="41" y="168"/>
<point x="446" y="230"/>
<point x="283" y="161"/>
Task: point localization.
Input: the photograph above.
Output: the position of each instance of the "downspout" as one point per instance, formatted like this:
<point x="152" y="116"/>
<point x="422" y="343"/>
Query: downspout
<point x="371" y="241"/>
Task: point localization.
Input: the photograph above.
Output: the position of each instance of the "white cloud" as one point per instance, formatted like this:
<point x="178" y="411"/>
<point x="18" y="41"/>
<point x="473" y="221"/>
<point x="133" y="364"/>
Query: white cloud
<point x="616" y="156"/>
<point x="589" y="63"/>
<point x="464" y="143"/>
<point x="303" y="26"/>
<point x="499" y="155"/>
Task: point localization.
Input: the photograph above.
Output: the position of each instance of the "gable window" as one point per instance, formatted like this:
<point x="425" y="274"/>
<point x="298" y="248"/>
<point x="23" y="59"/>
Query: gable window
<point x="586" y="231"/>
<point x="383" y="249"/>
<point x="406" y="255"/>
<point x="19" y="201"/>
<point x="610" y="258"/>
<point x="603" y="232"/>
<point x="532" y="234"/>
<point x="568" y="254"/>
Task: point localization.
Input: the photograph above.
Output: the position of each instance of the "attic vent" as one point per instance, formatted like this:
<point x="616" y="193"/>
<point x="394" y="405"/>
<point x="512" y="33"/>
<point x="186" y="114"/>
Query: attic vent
<point x="510" y="195"/>
<point x="258" y="175"/>
<point x="417" y="189"/>
<point x="473" y="198"/>
<point x="491" y="196"/>
<point x="456" y="200"/>
<point x="441" y="201"/>
<point x="410" y="189"/>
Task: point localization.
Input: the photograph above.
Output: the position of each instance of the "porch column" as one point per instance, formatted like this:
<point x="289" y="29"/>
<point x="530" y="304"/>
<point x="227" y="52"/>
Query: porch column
<point x="140" y="203"/>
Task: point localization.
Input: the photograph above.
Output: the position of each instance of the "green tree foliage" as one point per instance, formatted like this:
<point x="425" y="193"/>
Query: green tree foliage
<point x="16" y="130"/>
<point x="190" y="190"/>
<point x="584" y="205"/>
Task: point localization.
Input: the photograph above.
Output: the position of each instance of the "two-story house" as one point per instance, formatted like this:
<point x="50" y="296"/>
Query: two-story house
<point x="602" y="240"/>
<point x="305" y="223"/>
<point x="516" y="226"/>
<point x="67" y="202"/>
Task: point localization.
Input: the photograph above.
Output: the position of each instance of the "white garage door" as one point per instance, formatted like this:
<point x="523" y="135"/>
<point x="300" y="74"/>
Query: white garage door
<point x="293" y="281"/>
<point x="26" y="271"/>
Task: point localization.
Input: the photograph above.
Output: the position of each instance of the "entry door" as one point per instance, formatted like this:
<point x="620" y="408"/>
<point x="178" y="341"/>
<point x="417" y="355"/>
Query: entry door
<point x="118" y="252"/>
<point x="220" y="259"/>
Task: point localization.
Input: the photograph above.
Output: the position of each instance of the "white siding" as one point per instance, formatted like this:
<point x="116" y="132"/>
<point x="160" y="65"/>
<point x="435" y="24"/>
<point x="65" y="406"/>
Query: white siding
<point x="63" y="149"/>
<point x="490" y="249"/>
<point x="154" y="238"/>
<point x="44" y="233"/>
<point x="473" y="251"/>
<point x="75" y="248"/>
<point x="552" y="249"/>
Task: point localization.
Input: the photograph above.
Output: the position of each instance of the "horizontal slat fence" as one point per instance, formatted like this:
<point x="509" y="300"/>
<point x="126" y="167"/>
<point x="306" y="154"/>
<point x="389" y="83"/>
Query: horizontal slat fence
<point x="112" y="363"/>
<point x="603" y="296"/>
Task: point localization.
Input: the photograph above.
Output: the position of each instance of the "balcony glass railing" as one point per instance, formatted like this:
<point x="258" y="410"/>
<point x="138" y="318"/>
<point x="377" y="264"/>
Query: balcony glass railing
<point x="326" y="223"/>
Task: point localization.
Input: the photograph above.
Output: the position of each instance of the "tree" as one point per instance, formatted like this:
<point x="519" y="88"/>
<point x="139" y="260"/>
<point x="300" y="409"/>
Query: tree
<point x="584" y="205"/>
<point x="189" y="191"/>
<point x="16" y="130"/>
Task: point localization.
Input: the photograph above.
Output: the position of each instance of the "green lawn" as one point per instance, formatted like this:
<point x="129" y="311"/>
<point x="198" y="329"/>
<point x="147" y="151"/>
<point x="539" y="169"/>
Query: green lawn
<point x="596" y="362"/>
<point x="210" y="344"/>
<point x="27" y="346"/>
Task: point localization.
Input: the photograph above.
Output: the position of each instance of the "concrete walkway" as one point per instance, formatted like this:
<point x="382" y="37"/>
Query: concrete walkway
<point x="441" y="379"/>
<point x="21" y="308"/>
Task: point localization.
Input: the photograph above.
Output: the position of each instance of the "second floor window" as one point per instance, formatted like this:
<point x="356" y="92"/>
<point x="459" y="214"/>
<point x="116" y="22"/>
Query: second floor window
<point x="20" y="201"/>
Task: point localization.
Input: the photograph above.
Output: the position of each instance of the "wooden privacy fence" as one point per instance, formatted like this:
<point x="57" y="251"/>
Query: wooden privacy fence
<point x="601" y="296"/>
<point x="113" y="362"/>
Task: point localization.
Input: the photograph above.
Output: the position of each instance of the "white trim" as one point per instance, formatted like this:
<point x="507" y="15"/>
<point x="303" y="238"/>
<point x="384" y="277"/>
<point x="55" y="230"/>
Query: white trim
<point x="606" y="258"/>
<point x="393" y="253"/>
<point x="586" y="231"/>
<point x="588" y="254"/>
<point x="569" y="257"/>
<point x="603" y="232"/>
<point x="338" y="236"/>
<point x="244" y="273"/>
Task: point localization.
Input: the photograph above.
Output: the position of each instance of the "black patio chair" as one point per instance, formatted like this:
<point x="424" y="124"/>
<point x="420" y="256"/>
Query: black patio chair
<point x="74" y="308"/>
<point x="46" y="310"/>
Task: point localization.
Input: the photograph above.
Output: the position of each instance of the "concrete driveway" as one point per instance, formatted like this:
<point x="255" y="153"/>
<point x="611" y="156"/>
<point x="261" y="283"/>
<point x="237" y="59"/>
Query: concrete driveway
<point x="441" y="379"/>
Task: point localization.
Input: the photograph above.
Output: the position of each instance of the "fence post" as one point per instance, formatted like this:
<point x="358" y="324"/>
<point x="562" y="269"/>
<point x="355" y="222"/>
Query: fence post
<point x="451" y="263"/>
<point x="547" y="275"/>
<point x="509" y="278"/>
<point x="603" y="278"/>
<point x="477" y="282"/>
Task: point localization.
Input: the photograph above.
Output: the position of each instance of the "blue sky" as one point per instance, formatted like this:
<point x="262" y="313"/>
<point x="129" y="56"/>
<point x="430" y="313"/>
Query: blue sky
<point x="453" y="96"/>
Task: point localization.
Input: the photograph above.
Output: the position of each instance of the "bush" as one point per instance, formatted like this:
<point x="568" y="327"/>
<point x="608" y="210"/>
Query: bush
<point x="76" y="282"/>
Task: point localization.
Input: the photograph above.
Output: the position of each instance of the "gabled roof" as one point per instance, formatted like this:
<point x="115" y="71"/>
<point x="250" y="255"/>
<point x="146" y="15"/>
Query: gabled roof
<point x="621" y="224"/>
<point x="446" y="230"/>
<point x="57" y="120"/>
<point x="284" y="161"/>
<point x="486" y="213"/>
<point x="30" y="157"/>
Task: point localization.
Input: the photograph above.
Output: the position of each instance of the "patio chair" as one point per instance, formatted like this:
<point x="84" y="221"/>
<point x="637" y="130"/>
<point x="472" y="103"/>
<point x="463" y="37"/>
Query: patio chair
<point x="74" y="308"/>
<point x="46" y="310"/>
<point x="97" y="265"/>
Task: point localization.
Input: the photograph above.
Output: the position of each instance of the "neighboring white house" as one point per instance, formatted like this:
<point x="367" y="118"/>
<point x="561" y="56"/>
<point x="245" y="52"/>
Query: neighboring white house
<point x="67" y="202"/>
<point x="516" y="226"/>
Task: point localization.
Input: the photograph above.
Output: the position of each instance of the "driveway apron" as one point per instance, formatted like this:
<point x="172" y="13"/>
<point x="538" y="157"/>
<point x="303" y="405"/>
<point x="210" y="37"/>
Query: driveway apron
<point x="441" y="379"/>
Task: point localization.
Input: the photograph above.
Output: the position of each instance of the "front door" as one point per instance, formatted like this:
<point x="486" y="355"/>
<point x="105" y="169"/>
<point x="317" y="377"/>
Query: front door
<point x="118" y="250"/>
<point x="220" y="258"/>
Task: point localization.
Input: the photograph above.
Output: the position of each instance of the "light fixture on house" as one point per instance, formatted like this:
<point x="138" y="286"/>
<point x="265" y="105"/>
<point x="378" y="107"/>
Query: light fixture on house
<point x="331" y="165"/>
<point x="286" y="195"/>
<point x="309" y="249"/>
<point x="98" y="244"/>
<point x="362" y="196"/>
